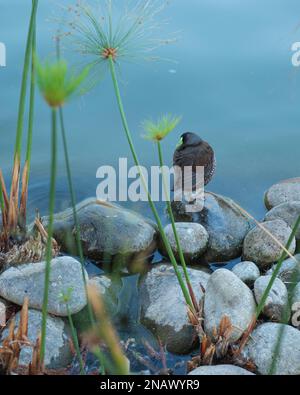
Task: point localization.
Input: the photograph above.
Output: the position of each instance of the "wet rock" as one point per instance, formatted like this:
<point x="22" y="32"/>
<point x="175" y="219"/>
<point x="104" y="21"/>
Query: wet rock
<point x="163" y="308"/>
<point x="283" y="192"/>
<point x="261" y="348"/>
<point x="193" y="240"/>
<point x="261" y="248"/>
<point x="276" y="306"/>
<point x="106" y="232"/>
<point x="225" y="223"/>
<point x="58" y="353"/>
<point x="28" y="280"/>
<point x="220" y="370"/>
<point x="288" y="212"/>
<point x="227" y="295"/>
<point x="2" y="314"/>
<point x="246" y="271"/>
<point x="289" y="270"/>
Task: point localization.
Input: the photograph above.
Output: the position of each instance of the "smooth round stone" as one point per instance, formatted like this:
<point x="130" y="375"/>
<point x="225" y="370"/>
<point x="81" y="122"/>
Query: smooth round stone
<point x="296" y="295"/>
<point x="58" y="352"/>
<point x="260" y="349"/>
<point x="29" y="280"/>
<point x="289" y="271"/>
<point x="261" y="248"/>
<point x="227" y="295"/>
<point x="193" y="240"/>
<point x="276" y="306"/>
<point x="2" y="315"/>
<point x="288" y="212"/>
<point x="163" y="307"/>
<point x="225" y="223"/>
<point x="283" y="192"/>
<point x="246" y="271"/>
<point x="220" y="370"/>
<point x="108" y="232"/>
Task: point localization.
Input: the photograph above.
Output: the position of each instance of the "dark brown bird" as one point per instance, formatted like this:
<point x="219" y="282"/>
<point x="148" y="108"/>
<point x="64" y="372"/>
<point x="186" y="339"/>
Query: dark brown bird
<point x="193" y="151"/>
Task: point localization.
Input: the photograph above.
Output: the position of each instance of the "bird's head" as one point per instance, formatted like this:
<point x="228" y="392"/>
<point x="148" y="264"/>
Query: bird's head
<point x="189" y="139"/>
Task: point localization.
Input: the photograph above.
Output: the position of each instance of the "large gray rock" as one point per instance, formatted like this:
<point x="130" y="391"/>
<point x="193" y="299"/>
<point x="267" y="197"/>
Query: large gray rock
<point x="288" y="212"/>
<point x="283" y="192"/>
<point x="276" y="306"/>
<point x="163" y="307"/>
<point x="225" y="223"/>
<point x="227" y="295"/>
<point x="261" y="248"/>
<point x="28" y="280"/>
<point x="58" y="353"/>
<point x="220" y="370"/>
<point x="289" y="270"/>
<point x="246" y="271"/>
<point x="106" y="232"/>
<point x="261" y="349"/>
<point x="193" y="240"/>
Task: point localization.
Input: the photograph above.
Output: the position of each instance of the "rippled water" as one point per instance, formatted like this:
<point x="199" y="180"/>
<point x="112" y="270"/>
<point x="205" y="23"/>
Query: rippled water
<point x="232" y="81"/>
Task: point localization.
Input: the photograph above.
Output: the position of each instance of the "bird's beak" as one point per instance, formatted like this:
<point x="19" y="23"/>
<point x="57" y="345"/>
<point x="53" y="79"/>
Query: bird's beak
<point x="180" y="142"/>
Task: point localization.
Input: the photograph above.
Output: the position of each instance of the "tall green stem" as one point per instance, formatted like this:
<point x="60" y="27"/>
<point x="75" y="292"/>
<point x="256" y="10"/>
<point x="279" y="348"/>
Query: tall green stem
<point x="50" y="232"/>
<point x="152" y="206"/>
<point x="75" y="341"/>
<point x="22" y="99"/>
<point x="170" y="211"/>
<point x="286" y="314"/>
<point x="277" y="269"/>
<point x="73" y="202"/>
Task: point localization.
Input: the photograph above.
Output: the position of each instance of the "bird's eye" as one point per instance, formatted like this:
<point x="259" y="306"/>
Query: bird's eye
<point x="180" y="142"/>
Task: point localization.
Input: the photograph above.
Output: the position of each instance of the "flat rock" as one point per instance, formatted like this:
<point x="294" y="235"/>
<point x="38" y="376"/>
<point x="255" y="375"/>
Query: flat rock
<point x="28" y="280"/>
<point x="289" y="270"/>
<point x="225" y="223"/>
<point x="283" y="192"/>
<point x="261" y="248"/>
<point x="288" y="212"/>
<point x="163" y="308"/>
<point x="193" y="240"/>
<point x="220" y="370"/>
<point x="276" y="306"/>
<point x="106" y="232"/>
<point x="58" y="353"/>
<point x="227" y="295"/>
<point x="261" y="347"/>
<point x="246" y="271"/>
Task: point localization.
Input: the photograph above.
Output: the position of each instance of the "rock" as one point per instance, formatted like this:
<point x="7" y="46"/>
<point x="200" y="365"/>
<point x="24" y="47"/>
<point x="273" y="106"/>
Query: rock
<point x="288" y="212"/>
<point x="227" y="295"/>
<point x="261" y="346"/>
<point x="246" y="271"/>
<point x="283" y="192"/>
<point x="287" y="270"/>
<point x="260" y="248"/>
<point x="106" y="232"/>
<point x="220" y="370"/>
<point x="276" y="305"/>
<point x="193" y="240"/>
<point x="2" y="314"/>
<point x="296" y="295"/>
<point x="163" y="308"/>
<point x="225" y="223"/>
<point x="28" y="280"/>
<point x="58" y="353"/>
<point x="109" y="291"/>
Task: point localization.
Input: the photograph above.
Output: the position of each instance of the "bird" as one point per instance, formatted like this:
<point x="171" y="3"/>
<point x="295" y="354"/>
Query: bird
<point x="193" y="151"/>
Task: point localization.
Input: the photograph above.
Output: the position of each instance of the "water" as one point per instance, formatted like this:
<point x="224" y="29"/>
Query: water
<point x="233" y="83"/>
